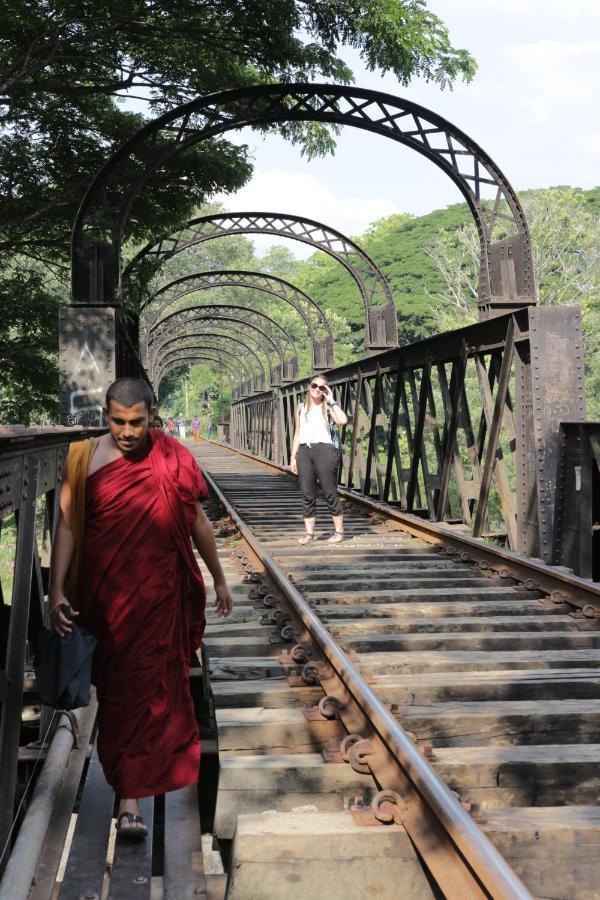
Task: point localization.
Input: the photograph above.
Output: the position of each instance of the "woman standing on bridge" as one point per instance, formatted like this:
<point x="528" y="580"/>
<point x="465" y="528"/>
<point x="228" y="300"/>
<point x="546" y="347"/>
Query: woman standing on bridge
<point x="315" y="456"/>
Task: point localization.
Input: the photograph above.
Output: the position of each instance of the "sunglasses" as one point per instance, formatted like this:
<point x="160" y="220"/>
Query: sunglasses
<point x="317" y="387"/>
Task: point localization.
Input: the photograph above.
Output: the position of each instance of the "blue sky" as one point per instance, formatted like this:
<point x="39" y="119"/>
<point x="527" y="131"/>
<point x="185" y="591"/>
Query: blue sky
<point x="533" y="106"/>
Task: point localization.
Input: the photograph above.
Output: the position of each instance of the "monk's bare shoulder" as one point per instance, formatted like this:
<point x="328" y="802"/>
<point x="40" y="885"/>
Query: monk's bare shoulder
<point x="104" y="453"/>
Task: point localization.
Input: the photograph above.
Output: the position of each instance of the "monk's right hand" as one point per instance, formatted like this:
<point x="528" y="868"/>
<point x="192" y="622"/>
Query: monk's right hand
<point x="61" y="623"/>
<point x="293" y="466"/>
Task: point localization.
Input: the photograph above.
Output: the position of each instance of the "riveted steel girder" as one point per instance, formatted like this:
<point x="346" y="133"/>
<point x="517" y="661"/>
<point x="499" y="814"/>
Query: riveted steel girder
<point x="369" y="279"/>
<point x="506" y="272"/>
<point x="196" y="360"/>
<point x="167" y="295"/>
<point x="215" y="337"/>
<point x="242" y="336"/>
<point x="180" y="320"/>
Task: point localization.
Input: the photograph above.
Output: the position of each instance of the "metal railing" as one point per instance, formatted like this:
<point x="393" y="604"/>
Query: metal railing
<point x="461" y="427"/>
<point x="31" y="466"/>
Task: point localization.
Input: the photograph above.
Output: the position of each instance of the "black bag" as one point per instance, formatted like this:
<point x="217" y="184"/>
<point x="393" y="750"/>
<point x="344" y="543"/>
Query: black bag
<point x="63" y="667"/>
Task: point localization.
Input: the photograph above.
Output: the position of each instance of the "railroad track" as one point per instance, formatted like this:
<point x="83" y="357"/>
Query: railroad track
<point x="494" y="684"/>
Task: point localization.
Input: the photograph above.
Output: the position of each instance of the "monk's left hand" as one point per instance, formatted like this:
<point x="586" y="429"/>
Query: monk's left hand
<point x="224" y="601"/>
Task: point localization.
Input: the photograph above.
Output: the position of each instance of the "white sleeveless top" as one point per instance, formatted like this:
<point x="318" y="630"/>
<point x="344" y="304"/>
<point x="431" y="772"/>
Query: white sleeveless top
<point x="314" y="426"/>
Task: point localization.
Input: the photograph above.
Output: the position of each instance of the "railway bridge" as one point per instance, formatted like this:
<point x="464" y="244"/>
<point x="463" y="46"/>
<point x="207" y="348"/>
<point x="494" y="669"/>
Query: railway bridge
<point x="413" y="712"/>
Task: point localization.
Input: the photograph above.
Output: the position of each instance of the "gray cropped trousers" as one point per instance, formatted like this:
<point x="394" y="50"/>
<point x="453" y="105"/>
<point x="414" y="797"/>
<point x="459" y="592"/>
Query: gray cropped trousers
<point x="319" y="462"/>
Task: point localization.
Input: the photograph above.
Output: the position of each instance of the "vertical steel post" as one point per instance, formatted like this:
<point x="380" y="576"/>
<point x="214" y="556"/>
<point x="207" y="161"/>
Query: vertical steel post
<point x="550" y="390"/>
<point x="17" y="641"/>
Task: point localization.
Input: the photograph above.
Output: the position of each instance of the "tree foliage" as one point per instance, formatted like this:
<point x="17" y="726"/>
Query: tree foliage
<point x="431" y="263"/>
<point x="66" y="67"/>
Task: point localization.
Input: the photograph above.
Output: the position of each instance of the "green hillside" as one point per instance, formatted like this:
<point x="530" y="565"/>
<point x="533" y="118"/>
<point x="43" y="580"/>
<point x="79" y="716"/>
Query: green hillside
<point x="397" y="244"/>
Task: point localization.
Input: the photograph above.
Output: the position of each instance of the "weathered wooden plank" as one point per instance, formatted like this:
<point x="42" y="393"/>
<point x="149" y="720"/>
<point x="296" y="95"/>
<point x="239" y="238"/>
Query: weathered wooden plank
<point x="465" y="660"/>
<point x="481" y="723"/>
<point x="554" y="850"/>
<point x="278" y="855"/>
<point x="493" y="641"/>
<point x="87" y="857"/>
<point x="251" y="784"/>
<point x="131" y="877"/>
<point x="184" y="877"/>
<point x="258" y="729"/>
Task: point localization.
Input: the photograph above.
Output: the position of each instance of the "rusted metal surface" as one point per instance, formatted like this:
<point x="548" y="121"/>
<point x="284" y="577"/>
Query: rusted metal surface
<point x="315" y="320"/>
<point x="577" y="512"/>
<point x="461" y="427"/>
<point x="371" y="282"/>
<point x="377" y="743"/>
<point x="31" y="463"/>
<point x="506" y="275"/>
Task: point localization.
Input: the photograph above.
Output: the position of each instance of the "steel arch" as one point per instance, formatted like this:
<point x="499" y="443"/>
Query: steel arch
<point x="174" y="332"/>
<point x="506" y="271"/>
<point x="323" y="351"/>
<point x="170" y="339"/>
<point x="244" y="367"/>
<point x="177" y="318"/>
<point x="210" y="335"/>
<point x="370" y="280"/>
<point x="179" y="363"/>
<point x="252" y="378"/>
<point x="288" y="369"/>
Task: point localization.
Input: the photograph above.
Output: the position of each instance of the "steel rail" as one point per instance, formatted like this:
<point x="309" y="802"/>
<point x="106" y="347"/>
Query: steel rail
<point x="485" y="862"/>
<point x="562" y="584"/>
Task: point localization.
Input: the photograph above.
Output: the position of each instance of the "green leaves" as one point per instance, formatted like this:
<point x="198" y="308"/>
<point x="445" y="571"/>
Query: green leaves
<point x="65" y="69"/>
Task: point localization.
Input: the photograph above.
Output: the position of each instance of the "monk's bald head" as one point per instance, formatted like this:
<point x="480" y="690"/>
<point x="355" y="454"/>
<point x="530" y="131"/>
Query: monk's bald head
<point x="129" y="392"/>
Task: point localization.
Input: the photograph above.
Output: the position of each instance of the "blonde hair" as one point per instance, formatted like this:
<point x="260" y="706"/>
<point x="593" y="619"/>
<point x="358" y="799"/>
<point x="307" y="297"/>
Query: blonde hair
<point x="308" y="399"/>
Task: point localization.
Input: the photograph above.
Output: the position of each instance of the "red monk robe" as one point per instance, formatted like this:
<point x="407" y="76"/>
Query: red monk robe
<point x="141" y="593"/>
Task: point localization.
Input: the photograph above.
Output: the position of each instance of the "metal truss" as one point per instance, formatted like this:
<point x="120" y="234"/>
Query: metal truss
<point x="323" y="350"/>
<point x="204" y="354"/>
<point x="462" y="426"/>
<point x="196" y="360"/>
<point x="370" y="280"/>
<point x="242" y="336"/>
<point x="244" y="352"/>
<point x="506" y="273"/>
<point x="266" y="343"/>
<point x="198" y="312"/>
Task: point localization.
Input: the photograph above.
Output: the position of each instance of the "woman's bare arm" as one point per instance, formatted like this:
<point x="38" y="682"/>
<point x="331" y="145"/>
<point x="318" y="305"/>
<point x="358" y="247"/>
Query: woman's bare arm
<point x="295" y="443"/>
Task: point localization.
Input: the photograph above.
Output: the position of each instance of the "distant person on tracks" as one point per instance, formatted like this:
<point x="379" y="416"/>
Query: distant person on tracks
<point x="195" y="426"/>
<point x="123" y="562"/>
<point x="181" y="427"/>
<point x="315" y="456"/>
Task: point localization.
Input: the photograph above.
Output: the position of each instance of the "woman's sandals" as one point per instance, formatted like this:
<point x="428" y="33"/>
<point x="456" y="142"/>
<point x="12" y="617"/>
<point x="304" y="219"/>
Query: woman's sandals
<point x="336" y="538"/>
<point x="135" y="827"/>
<point x="308" y="538"/>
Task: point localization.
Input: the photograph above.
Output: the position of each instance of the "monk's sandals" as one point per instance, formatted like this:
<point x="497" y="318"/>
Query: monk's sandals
<point x="308" y="538"/>
<point x="336" y="538"/>
<point x="134" y="827"/>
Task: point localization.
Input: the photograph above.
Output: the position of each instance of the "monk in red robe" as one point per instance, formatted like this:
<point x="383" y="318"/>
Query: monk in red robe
<point x="123" y="561"/>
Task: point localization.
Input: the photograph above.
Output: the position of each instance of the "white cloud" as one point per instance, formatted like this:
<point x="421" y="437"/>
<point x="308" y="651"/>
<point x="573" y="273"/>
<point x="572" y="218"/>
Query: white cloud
<point x="555" y="75"/>
<point x="543" y="12"/>
<point x="301" y="194"/>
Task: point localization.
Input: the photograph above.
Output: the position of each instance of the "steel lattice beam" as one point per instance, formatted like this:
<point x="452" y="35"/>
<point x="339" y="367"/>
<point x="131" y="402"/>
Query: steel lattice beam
<point x="370" y="280"/>
<point x="195" y="360"/>
<point x="198" y="312"/>
<point x="266" y="344"/>
<point x="216" y="336"/>
<point x="323" y="350"/>
<point x="506" y="272"/>
<point x="236" y="335"/>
